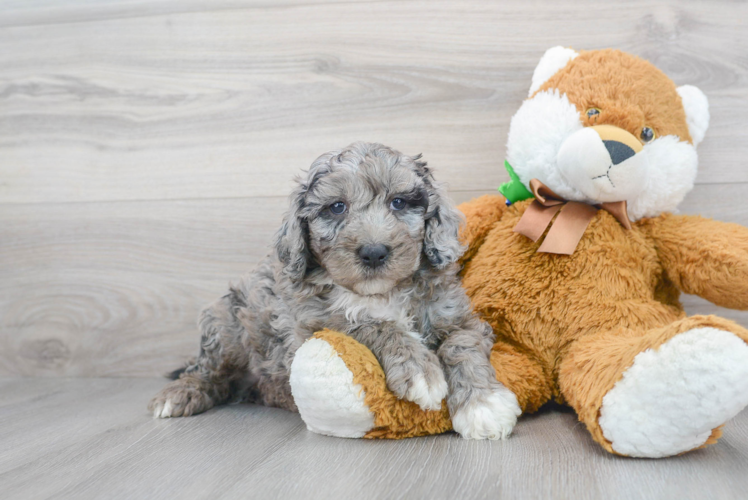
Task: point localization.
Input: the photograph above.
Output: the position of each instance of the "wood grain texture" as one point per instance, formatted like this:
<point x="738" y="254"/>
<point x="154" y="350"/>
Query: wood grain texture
<point x="93" y="289"/>
<point x="92" y="438"/>
<point x="130" y="101"/>
<point x="146" y="147"/>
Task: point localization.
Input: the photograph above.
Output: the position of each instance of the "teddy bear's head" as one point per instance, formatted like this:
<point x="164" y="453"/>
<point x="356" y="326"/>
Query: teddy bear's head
<point x="605" y="126"/>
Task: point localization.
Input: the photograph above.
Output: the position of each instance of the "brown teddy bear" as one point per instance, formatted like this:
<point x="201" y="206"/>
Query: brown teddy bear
<point x="578" y="268"/>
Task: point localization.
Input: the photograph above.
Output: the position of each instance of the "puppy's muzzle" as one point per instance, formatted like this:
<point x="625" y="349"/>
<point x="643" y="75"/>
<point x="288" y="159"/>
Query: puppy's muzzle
<point x="373" y="256"/>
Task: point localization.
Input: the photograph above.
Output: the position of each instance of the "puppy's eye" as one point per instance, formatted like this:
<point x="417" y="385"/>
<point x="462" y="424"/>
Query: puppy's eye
<point x="593" y="113"/>
<point x="647" y="134"/>
<point x="338" y="207"/>
<point x="398" y="204"/>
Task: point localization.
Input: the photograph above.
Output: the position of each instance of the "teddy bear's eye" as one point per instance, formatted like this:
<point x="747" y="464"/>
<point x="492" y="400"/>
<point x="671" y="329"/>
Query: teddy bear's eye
<point x="647" y="134"/>
<point x="593" y="113"/>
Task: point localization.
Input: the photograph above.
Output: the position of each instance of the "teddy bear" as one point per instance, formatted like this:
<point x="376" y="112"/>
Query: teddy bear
<point x="578" y="265"/>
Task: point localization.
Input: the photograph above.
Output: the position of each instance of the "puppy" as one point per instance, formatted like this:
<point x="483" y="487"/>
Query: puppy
<point x="369" y="247"/>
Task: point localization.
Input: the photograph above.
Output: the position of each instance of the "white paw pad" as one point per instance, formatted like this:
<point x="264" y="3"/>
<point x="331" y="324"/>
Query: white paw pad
<point x="492" y="417"/>
<point x="669" y="400"/>
<point x="323" y="390"/>
<point x="428" y="397"/>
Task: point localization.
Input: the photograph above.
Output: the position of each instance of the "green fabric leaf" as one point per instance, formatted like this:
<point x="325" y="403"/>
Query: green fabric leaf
<point x="514" y="190"/>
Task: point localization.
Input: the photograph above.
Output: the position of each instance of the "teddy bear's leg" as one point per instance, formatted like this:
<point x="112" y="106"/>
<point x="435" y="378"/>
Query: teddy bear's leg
<point x="659" y="392"/>
<point x="340" y="390"/>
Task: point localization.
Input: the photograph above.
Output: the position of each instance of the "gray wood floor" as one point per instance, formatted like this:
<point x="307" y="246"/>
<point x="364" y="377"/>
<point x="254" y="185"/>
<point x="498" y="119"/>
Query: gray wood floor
<point x="146" y="150"/>
<point x="92" y="438"/>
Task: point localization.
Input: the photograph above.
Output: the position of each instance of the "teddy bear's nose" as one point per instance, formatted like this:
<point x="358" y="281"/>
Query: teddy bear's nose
<point x="619" y="152"/>
<point x="603" y="162"/>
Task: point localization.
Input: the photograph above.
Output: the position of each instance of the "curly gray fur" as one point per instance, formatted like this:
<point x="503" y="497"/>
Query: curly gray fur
<point x="411" y="312"/>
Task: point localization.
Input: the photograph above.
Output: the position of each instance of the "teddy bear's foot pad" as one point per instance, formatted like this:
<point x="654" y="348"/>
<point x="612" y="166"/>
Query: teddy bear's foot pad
<point x="672" y="398"/>
<point x="323" y="389"/>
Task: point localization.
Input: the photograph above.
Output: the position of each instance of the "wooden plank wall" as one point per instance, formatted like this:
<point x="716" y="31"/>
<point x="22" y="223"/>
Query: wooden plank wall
<point x="146" y="148"/>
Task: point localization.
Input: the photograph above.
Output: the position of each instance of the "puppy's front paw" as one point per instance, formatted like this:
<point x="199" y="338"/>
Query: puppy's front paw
<point x="490" y="416"/>
<point x="424" y="385"/>
<point x="180" y="398"/>
<point x="427" y="393"/>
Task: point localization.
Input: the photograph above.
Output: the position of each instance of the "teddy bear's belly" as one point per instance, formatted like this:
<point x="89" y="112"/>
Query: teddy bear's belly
<point x="543" y="301"/>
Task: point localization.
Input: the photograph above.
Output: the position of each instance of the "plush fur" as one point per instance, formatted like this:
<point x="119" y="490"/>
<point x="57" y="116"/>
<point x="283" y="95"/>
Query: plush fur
<point x="554" y="59"/>
<point x="333" y="403"/>
<point x="705" y="362"/>
<point x="410" y="310"/>
<point x="630" y="93"/>
<point x="602" y="329"/>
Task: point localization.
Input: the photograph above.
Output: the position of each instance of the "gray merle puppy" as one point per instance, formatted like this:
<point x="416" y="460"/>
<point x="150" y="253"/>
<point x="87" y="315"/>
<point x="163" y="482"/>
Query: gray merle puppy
<point x="369" y="248"/>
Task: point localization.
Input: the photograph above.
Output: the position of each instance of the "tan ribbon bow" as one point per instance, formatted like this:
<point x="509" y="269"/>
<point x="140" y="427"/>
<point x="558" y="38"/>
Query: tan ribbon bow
<point x="570" y="224"/>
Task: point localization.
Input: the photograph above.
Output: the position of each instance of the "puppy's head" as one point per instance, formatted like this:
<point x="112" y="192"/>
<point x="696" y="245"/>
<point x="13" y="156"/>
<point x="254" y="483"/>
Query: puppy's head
<point x="367" y="216"/>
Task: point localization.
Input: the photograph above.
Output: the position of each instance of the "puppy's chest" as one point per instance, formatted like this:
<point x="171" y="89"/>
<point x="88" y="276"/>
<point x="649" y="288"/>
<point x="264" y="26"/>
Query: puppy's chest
<point x="356" y="310"/>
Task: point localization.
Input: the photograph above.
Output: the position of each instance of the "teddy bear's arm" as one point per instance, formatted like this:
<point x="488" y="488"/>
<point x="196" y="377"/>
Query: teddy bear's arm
<point x="481" y="214"/>
<point x="703" y="257"/>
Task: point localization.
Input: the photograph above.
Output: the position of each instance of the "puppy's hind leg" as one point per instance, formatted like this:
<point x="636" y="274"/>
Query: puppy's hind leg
<point x="208" y="381"/>
<point x="188" y="395"/>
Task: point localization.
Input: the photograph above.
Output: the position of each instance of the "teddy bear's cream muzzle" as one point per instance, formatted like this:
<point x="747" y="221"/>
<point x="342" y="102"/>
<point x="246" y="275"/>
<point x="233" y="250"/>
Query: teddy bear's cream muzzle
<point x="604" y="163"/>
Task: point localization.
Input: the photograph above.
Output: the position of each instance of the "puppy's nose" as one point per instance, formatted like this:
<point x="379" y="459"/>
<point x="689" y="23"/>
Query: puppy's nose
<point x="373" y="256"/>
<point x="619" y="152"/>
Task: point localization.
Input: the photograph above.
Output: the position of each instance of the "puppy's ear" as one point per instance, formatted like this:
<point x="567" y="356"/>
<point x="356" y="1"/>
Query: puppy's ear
<point x="441" y="242"/>
<point x="292" y="239"/>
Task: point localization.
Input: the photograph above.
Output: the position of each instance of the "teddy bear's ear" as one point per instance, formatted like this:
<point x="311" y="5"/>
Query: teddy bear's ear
<point x="553" y="60"/>
<point x="697" y="111"/>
